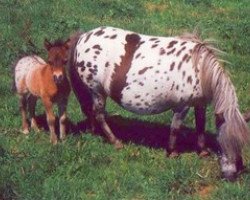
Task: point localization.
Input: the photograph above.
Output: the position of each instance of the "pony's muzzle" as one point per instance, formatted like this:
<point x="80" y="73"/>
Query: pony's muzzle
<point x="58" y="78"/>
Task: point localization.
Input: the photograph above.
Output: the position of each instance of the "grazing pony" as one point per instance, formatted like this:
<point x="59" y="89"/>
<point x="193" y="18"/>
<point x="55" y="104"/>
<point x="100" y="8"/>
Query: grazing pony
<point x="149" y="75"/>
<point x="34" y="78"/>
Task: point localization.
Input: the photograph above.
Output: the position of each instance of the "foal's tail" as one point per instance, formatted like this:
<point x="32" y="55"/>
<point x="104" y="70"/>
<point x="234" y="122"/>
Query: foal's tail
<point x="217" y="86"/>
<point x="13" y="71"/>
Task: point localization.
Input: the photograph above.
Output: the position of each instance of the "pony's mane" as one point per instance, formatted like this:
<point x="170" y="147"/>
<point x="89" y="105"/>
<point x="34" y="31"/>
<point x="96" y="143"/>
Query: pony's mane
<point x="218" y="88"/>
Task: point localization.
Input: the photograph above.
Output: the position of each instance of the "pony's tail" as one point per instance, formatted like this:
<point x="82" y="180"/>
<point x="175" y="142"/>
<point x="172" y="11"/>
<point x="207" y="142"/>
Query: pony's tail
<point x="80" y="89"/>
<point x="234" y="133"/>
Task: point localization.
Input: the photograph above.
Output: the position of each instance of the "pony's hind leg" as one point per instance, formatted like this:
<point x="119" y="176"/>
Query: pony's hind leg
<point x="50" y="118"/>
<point x="62" y="105"/>
<point x="200" y="122"/>
<point x="99" y="101"/>
<point x="31" y="106"/>
<point x="175" y="129"/>
<point x="23" y="110"/>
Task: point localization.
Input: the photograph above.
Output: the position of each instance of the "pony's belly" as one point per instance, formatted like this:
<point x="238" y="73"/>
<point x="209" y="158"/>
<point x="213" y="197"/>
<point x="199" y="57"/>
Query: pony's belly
<point x="148" y="102"/>
<point x="150" y="97"/>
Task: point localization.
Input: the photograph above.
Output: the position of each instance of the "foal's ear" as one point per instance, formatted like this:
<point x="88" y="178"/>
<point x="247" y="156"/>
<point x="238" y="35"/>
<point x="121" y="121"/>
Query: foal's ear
<point x="47" y="44"/>
<point x="67" y="43"/>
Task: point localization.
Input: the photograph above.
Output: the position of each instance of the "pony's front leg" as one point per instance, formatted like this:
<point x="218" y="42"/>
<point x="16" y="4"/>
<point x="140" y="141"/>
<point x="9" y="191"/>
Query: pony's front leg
<point x="23" y="108"/>
<point x="200" y="122"/>
<point x="99" y="113"/>
<point x="50" y="118"/>
<point x="177" y="120"/>
<point x="31" y="106"/>
<point x="62" y="105"/>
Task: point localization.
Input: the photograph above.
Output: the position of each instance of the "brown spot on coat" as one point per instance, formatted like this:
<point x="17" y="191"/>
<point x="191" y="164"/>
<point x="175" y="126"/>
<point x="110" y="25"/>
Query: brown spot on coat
<point x="179" y="66"/>
<point x="97" y="47"/>
<point x="162" y="51"/>
<point x="153" y="39"/>
<point x="172" y="66"/>
<point x="100" y="32"/>
<point x="172" y="85"/>
<point x="183" y="43"/>
<point x="170" y="52"/>
<point x="185" y="57"/>
<point x="179" y="52"/>
<point x="154" y="45"/>
<point x="142" y="71"/>
<point x="88" y="36"/>
<point x="106" y="64"/>
<point x="189" y="79"/>
<point x="138" y="55"/>
<point x="119" y="76"/>
<point x="183" y="74"/>
<point x="87" y="50"/>
<point x="172" y="43"/>
<point x="113" y="36"/>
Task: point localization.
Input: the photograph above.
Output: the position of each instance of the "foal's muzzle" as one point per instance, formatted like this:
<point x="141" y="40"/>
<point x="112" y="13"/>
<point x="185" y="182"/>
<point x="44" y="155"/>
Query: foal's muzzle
<point x="58" y="79"/>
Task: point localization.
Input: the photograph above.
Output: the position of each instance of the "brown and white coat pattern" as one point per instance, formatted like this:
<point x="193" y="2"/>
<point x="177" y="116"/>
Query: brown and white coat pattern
<point x="149" y="75"/>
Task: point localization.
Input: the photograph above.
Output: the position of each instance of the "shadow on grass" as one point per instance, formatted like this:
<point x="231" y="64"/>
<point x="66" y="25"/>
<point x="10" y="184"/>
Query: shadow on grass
<point x="153" y="135"/>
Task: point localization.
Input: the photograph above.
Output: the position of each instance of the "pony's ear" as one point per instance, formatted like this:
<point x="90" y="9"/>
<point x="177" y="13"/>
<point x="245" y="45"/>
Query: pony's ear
<point x="67" y="43"/>
<point x="47" y="44"/>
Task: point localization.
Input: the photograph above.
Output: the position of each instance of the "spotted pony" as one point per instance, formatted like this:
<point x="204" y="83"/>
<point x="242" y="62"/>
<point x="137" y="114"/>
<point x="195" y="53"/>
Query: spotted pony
<point x="149" y="75"/>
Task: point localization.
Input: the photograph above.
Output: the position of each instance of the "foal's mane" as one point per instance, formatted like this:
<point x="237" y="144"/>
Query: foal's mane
<point x="57" y="43"/>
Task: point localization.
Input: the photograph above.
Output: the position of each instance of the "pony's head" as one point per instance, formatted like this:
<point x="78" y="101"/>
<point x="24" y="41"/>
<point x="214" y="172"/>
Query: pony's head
<point x="57" y="58"/>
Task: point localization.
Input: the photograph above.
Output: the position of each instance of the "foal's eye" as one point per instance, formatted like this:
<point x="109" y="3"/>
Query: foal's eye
<point x="65" y="61"/>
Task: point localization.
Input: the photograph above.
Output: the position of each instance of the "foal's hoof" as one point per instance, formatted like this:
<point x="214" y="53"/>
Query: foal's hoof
<point x="118" y="145"/>
<point x="53" y="141"/>
<point x="204" y="153"/>
<point x="25" y="131"/>
<point x="173" y="154"/>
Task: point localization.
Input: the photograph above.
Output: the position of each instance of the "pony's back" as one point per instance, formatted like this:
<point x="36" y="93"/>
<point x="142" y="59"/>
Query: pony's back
<point x="22" y="67"/>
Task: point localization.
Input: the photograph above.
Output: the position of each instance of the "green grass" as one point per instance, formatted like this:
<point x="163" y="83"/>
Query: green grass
<point x="84" y="166"/>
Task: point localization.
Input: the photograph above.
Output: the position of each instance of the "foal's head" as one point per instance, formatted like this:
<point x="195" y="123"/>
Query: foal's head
<point x="57" y="58"/>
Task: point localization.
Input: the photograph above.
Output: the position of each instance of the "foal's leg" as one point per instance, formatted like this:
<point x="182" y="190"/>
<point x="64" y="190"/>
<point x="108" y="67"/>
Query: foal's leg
<point x="62" y="105"/>
<point x="175" y="129"/>
<point x="200" y="122"/>
<point x="99" y="113"/>
<point x="23" y="108"/>
<point x="50" y="118"/>
<point x="31" y="106"/>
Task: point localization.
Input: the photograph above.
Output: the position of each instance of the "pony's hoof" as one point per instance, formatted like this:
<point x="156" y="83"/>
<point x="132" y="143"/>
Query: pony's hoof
<point x="204" y="153"/>
<point x="231" y="177"/>
<point x="173" y="154"/>
<point x="118" y="145"/>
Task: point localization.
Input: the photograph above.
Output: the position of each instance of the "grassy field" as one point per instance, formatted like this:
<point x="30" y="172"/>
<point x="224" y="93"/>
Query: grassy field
<point x="85" y="166"/>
